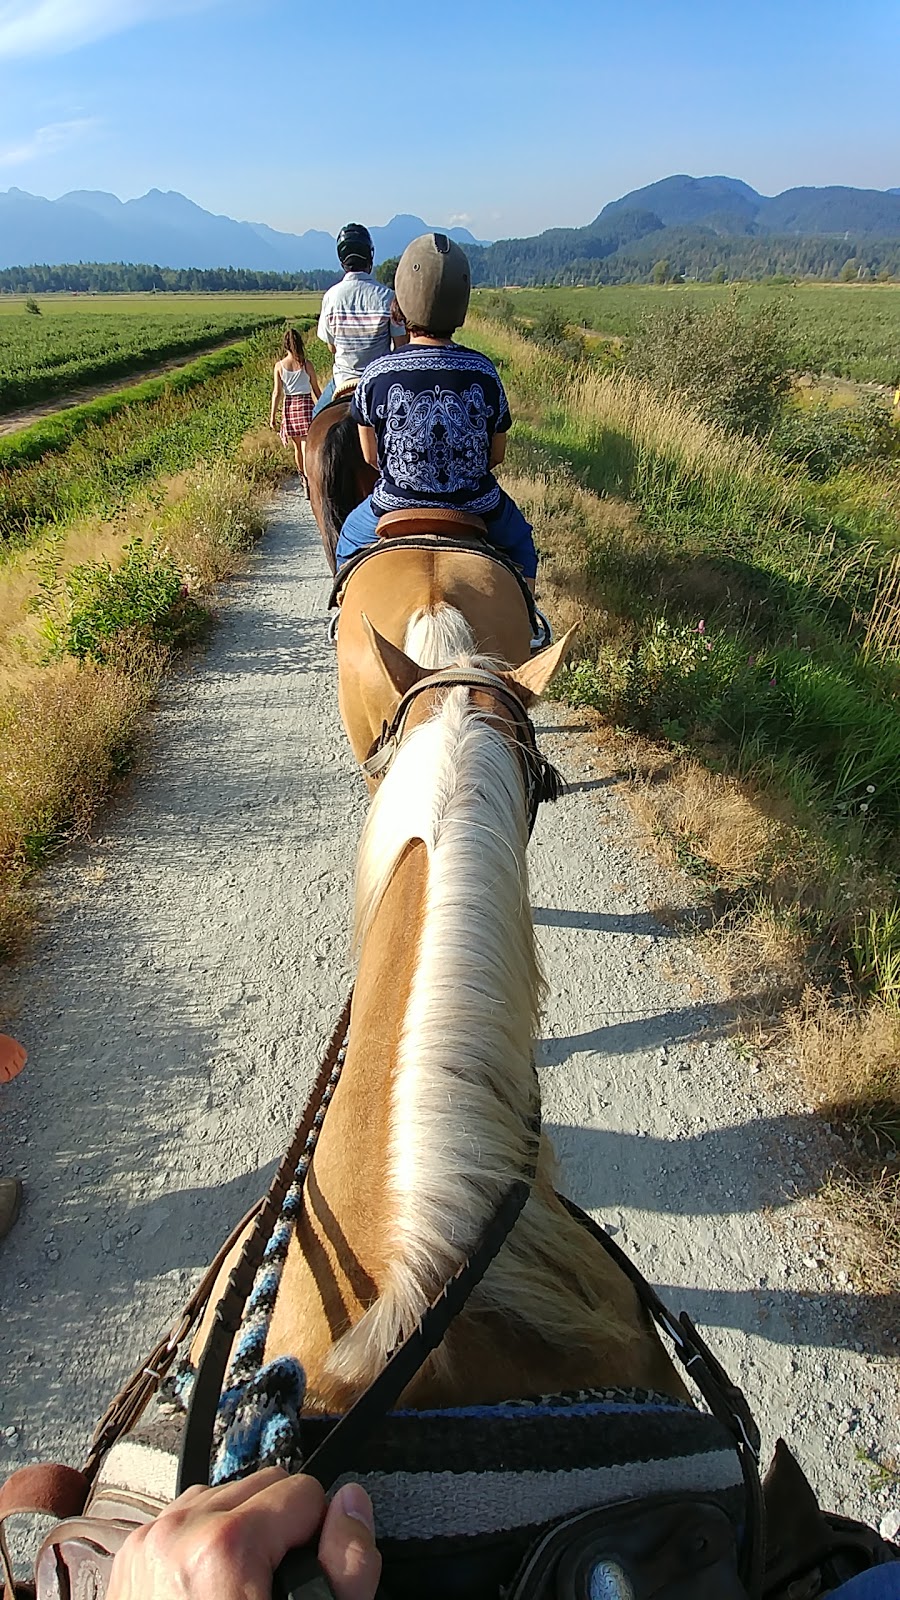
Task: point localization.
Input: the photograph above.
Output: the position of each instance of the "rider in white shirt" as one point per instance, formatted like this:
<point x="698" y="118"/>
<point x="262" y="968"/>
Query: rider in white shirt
<point x="355" y="321"/>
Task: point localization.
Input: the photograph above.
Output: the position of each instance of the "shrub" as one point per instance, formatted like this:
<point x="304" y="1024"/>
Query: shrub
<point x="825" y="439"/>
<point x="732" y="365"/>
<point x="98" y="603"/>
<point x="32" y="307"/>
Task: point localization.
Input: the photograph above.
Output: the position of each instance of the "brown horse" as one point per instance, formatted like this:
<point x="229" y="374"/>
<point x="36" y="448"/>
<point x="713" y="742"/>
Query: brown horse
<point x="433" y="1115"/>
<point x="338" y="477"/>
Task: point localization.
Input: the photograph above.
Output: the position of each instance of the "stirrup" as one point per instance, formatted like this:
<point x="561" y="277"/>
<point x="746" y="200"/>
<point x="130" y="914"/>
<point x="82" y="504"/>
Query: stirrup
<point x="544" y="635"/>
<point x="331" y="625"/>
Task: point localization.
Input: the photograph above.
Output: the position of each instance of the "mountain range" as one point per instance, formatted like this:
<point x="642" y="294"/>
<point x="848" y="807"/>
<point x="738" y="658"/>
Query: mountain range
<point x="171" y="231"/>
<point x="713" y="227"/>
<point x="697" y="225"/>
<point x="730" y="206"/>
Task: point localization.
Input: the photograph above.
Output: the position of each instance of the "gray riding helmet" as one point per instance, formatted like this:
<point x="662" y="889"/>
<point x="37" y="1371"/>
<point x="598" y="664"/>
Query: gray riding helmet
<point x="432" y="284"/>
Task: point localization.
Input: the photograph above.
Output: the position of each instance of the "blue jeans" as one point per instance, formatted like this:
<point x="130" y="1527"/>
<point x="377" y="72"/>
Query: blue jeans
<point x="506" y="528"/>
<point x="325" y="396"/>
<point x="881" y="1583"/>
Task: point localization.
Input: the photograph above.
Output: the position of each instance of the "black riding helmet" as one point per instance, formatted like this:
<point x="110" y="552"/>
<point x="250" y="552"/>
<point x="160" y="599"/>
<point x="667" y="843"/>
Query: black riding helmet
<point x="355" y="247"/>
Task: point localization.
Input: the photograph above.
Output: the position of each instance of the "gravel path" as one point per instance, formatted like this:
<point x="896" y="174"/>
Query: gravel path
<point x="190" y="967"/>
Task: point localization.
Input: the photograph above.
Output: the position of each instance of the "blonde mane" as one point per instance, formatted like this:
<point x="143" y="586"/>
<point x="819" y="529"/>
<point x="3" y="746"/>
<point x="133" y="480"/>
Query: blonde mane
<point x="438" y="635"/>
<point x="464" y="1087"/>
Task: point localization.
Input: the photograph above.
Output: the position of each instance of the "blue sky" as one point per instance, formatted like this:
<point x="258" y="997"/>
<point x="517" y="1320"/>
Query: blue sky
<point x="508" y="117"/>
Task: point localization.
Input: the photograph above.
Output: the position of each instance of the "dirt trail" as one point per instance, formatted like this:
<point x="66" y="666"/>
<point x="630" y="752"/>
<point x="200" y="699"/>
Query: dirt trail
<point x="191" y="964"/>
<point x="14" y="421"/>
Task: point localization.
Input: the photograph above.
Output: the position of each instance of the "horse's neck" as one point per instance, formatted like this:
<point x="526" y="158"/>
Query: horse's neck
<point x="431" y="1120"/>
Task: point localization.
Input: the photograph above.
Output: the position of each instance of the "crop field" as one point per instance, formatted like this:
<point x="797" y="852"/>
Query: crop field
<point x="79" y="340"/>
<point x="851" y="330"/>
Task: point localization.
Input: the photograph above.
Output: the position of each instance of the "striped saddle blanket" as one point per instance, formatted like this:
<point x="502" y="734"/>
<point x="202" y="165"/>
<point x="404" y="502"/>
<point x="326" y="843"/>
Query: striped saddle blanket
<point x="462" y="1494"/>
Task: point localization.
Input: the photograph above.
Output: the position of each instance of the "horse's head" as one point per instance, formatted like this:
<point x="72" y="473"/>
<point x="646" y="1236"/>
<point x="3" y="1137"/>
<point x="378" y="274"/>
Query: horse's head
<point x="501" y="695"/>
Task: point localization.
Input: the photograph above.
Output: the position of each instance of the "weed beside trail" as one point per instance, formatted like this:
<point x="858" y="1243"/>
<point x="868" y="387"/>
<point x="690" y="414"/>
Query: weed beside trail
<point x="93" y="608"/>
<point x="747" y="615"/>
<point x="65" y="737"/>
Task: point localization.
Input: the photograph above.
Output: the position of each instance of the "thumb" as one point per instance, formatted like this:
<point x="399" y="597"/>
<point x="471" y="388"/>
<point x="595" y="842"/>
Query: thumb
<point x="347" y="1548"/>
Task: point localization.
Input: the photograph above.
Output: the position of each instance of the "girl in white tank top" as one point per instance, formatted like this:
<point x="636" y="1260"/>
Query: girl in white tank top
<point x="295" y="385"/>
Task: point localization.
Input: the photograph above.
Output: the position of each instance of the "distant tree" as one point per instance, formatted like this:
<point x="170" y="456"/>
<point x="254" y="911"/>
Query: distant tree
<point x="660" y="272"/>
<point x="32" y="307"/>
<point x="385" y="270"/>
<point x="718" y="275"/>
<point x="849" y="270"/>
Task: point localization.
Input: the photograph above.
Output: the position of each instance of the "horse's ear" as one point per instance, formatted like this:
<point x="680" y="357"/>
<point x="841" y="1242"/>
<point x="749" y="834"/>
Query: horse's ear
<point x="532" y="678"/>
<point x="399" y="669"/>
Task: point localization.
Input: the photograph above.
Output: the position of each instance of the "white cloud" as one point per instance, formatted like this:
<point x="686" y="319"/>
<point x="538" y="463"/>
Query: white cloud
<point x="47" y="140"/>
<point x="41" y="27"/>
<point x="460" y="219"/>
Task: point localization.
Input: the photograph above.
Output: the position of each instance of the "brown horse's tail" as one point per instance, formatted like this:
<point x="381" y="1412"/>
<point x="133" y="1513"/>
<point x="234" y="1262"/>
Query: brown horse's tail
<point x="341" y="466"/>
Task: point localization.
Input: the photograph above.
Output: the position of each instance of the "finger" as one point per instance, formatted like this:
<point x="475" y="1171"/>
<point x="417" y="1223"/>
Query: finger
<point x="12" y="1058"/>
<point x="347" y="1548"/>
<point x="284" y="1513"/>
<point x="230" y="1495"/>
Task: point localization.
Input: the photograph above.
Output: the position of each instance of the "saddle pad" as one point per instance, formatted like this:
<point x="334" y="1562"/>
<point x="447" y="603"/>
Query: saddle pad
<point x="460" y="1495"/>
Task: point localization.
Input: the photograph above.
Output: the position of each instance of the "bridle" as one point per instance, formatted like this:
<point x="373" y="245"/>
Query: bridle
<point x="542" y="781"/>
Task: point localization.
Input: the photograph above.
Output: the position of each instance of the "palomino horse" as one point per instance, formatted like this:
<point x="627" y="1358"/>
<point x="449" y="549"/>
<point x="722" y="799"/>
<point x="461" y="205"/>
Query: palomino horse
<point x="433" y="1114"/>
<point x="338" y="477"/>
<point x="549" y="1421"/>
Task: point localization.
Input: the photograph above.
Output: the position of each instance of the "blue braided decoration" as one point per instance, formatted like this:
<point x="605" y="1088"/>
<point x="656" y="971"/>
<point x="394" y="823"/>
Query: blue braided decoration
<point x="257" y="1418"/>
<point x="261" y="1422"/>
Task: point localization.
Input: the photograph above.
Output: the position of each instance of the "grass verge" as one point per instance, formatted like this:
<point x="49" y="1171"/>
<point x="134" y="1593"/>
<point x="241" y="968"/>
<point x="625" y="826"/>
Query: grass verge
<point x="115" y="535"/>
<point x="725" y="648"/>
<point x="96" y="458"/>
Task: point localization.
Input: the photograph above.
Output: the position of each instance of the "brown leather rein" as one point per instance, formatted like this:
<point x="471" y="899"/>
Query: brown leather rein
<point x="542" y="781"/>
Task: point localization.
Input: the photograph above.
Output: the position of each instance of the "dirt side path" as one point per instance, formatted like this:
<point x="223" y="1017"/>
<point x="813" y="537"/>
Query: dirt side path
<point x="190" y="969"/>
<point x="14" y="421"/>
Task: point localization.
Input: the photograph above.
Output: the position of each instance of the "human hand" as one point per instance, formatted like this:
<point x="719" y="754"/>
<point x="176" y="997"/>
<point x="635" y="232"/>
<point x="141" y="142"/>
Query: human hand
<point x="225" y="1544"/>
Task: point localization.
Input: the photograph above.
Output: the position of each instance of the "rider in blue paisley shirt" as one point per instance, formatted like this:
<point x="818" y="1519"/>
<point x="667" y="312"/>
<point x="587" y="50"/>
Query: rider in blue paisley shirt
<point x="433" y="416"/>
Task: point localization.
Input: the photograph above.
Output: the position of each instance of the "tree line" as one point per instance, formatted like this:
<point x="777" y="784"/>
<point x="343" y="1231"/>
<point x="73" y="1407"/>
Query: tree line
<point x="119" y="277"/>
<point x="631" y="247"/>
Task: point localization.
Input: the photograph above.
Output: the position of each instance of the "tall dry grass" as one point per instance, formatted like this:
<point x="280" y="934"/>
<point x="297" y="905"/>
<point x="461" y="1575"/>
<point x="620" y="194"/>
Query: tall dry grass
<point x="65" y="736"/>
<point x="67" y="727"/>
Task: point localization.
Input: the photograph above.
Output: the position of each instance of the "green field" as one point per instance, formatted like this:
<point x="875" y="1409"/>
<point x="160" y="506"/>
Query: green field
<point x="82" y="339"/>
<point x="851" y="330"/>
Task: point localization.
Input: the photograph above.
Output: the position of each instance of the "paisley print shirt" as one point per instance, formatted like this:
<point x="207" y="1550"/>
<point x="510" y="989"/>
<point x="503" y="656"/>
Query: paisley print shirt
<point x="435" y="410"/>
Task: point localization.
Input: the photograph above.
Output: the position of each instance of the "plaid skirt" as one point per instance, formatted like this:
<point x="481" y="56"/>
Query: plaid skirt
<point x="296" y="417"/>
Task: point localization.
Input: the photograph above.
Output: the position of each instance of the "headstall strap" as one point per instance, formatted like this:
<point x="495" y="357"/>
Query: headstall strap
<point x="542" y="781"/>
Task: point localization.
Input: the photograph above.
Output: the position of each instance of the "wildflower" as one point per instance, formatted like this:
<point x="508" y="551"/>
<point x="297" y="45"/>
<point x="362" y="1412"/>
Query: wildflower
<point x="864" y="806"/>
<point x="870" y="788"/>
<point x="701" y="626"/>
<point x="772" y="682"/>
<point x="707" y="643"/>
<point x="751" y="661"/>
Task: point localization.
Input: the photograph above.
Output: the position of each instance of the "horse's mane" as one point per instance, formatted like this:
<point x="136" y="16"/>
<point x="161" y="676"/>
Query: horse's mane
<point x="465" y="1091"/>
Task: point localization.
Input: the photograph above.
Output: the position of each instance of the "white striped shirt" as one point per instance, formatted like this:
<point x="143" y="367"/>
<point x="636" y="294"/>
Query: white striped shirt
<point x="356" y="319"/>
